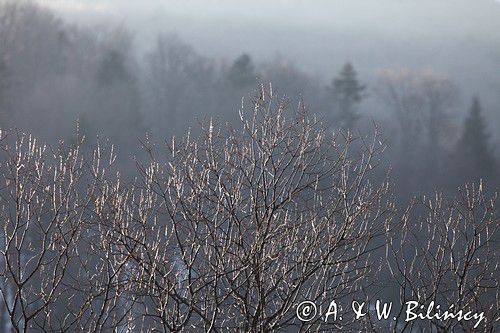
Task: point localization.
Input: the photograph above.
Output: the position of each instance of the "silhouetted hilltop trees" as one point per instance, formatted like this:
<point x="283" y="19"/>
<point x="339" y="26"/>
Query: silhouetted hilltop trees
<point x="242" y="72"/>
<point x="346" y="93"/>
<point x="475" y="154"/>
<point x="54" y="73"/>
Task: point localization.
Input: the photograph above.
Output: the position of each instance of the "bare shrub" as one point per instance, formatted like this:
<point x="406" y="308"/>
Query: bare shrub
<point x="52" y="278"/>
<point x="230" y="231"/>
<point x="447" y="253"/>
<point x="240" y="225"/>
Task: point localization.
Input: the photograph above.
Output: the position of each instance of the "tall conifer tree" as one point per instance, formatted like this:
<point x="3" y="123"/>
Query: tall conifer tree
<point x="347" y="93"/>
<point x="474" y="146"/>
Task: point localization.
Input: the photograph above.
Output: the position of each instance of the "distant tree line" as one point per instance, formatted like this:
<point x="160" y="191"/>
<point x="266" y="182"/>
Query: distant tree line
<point x="53" y="75"/>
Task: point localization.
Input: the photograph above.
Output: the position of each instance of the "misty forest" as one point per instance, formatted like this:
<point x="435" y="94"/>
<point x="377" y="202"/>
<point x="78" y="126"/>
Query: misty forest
<point x="182" y="178"/>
